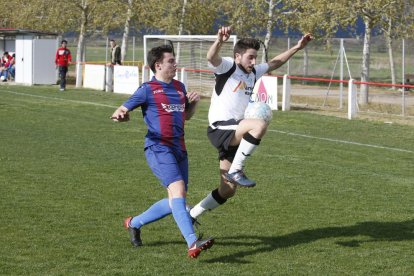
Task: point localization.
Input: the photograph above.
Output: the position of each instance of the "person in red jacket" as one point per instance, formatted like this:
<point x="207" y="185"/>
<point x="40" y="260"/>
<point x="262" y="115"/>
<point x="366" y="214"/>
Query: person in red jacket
<point x="62" y="60"/>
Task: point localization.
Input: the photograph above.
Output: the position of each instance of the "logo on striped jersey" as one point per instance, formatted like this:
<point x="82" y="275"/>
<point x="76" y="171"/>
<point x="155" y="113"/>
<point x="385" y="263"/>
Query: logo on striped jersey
<point x="173" y="107"/>
<point x="157" y="91"/>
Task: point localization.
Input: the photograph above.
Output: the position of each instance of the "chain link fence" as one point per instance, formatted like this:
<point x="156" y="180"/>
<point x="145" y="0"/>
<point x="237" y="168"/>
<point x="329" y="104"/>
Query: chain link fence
<point x="318" y="60"/>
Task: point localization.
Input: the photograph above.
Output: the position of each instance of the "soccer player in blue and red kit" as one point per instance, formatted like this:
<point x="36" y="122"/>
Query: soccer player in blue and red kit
<point x="165" y="106"/>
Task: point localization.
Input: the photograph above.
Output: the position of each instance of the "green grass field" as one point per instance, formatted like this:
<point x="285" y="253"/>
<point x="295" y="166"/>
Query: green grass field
<point x="334" y="196"/>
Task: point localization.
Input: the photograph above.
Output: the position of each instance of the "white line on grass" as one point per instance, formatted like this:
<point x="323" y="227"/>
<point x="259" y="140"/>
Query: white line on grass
<point x="203" y="120"/>
<point x="339" y="141"/>
<point x="330" y="140"/>
<point x="60" y="99"/>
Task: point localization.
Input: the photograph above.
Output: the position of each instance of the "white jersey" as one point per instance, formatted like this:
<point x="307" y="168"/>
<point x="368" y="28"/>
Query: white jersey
<point x="232" y="100"/>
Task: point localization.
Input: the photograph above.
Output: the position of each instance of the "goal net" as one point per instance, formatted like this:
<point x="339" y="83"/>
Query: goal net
<point x="191" y="52"/>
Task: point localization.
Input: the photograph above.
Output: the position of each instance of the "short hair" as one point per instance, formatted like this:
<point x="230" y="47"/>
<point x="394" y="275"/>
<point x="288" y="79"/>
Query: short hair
<point x="156" y="54"/>
<point x="112" y="40"/>
<point x="5" y="53"/>
<point x="244" y="44"/>
<point x="64" y="41"/>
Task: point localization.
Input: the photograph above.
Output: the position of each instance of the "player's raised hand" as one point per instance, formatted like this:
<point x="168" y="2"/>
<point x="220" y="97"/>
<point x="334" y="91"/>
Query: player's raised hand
<point x="305" y="40"/>
<point x="120" y="115"/>
<point x="224" y="33"/>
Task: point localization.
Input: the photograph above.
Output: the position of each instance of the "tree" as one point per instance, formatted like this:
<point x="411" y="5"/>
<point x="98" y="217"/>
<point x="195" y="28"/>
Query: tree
<point x="37" y="15"/>
<point x="322" y="18"/>
<point x="370" y="12"/>
<point x="85" y="17"/>
<point x="181" y="16"/>
<point x="243" y="17"/>
<point x="254" y="17"/>
<point x="396" y="23"/>
<point x="272" y="18"/>
<point x="124" y="15"/>
<point x="81" y="16"/>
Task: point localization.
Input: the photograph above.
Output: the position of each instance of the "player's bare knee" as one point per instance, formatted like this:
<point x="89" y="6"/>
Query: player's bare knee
<point x="259" y="129"/>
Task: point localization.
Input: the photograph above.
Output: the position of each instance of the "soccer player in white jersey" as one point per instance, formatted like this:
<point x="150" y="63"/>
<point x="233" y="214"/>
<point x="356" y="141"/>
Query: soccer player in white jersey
<point x="235" y="137"/>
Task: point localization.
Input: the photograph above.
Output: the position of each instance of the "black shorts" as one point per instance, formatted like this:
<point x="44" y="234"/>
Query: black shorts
<point x="220" y="135"/>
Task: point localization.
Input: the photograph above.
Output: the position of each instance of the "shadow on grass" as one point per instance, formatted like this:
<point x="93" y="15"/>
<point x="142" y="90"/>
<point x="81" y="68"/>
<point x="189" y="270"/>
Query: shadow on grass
<point x="303" y="108"/>
<point x="374" y="231"/>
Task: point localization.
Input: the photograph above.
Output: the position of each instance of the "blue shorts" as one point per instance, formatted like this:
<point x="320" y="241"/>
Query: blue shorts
<point x="168" y="165"/>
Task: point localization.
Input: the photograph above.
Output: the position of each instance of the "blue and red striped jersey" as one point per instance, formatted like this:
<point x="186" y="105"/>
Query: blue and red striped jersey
<point x="163" y="108"/>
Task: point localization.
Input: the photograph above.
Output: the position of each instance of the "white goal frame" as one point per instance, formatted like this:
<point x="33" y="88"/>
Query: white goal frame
<point x="183" y="38"/>
<point x="195" y="73"/>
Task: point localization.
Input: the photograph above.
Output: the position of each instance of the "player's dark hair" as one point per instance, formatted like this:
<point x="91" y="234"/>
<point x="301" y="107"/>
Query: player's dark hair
<point x="244" y="44"/>
<point x="156" y="54"/>
<point x="64" y="41"/>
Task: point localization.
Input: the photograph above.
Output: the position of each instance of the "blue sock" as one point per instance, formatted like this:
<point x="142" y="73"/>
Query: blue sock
<point x="157" y="211"/>
<point x="183" y="220"/>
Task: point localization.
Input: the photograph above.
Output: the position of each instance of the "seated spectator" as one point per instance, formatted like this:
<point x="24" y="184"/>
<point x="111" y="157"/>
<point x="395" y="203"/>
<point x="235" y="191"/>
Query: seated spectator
<point x="12" y="66"/>
<point x="4" y="69"/>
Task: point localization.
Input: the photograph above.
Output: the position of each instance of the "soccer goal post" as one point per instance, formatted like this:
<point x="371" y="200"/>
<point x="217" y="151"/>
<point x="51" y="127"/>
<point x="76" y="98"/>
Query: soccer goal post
<point x="191" y="52"/>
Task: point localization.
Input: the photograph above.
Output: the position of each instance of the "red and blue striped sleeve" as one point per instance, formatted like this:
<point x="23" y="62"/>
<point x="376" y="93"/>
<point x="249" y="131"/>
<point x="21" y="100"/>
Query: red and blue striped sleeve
<point x="137" y="99"/>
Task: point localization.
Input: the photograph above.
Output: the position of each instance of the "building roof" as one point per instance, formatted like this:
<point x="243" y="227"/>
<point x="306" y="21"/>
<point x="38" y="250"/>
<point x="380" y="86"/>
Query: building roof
<point x="14" y="32"/>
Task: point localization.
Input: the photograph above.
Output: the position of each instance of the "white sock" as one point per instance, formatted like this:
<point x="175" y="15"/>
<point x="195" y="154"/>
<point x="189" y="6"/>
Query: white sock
<point x="245" y="149"/>
<point x="207" y="204"/>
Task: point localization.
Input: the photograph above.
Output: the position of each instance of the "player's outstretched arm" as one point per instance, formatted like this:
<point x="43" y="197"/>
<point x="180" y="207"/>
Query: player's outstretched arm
<point x="121" y="114"/>
<point x="213" y="54"/>
<point x="193" y="99"/>
<point x="281" y="59"/>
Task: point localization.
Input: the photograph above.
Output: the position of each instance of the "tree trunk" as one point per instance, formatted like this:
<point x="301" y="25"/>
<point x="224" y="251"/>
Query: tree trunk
<point x="305" y="63"/>
<point x="363" y="96"/>
<point x="81" y="40"/>
<point x="81" y="44"/>
<point x="125" y="36"/>
<point x="183" y="12"/>
<point x="268" y="31"/>
<point x="390" y="52"/>
<point x="181" y="29"/>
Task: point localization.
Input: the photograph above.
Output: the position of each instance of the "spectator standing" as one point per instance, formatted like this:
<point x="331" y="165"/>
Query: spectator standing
<point x="115" y="53"/>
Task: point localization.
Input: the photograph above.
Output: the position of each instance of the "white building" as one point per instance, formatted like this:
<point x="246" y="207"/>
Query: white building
<point x="35" y="54"/>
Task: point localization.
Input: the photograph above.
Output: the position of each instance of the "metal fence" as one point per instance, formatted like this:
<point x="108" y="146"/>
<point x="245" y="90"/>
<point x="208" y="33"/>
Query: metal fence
<point x="317" y="61"/>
